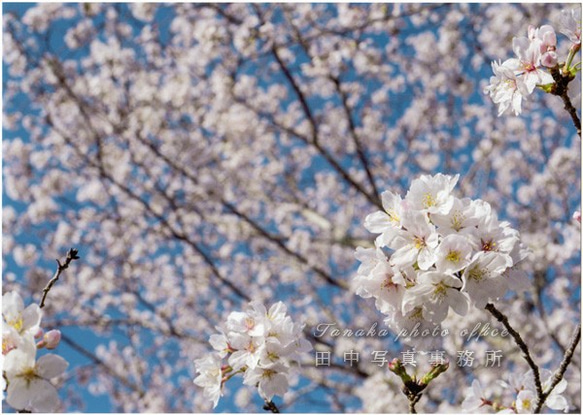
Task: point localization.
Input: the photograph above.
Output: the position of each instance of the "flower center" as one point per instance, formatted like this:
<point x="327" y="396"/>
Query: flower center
<point x="477" y="273"/>
<point x="440" y="291"/>
<point x="456" y="220"/>
<point x="17" y="324"/>
<point x="428" y="200"/>
<point x="249" y="323"/>
<point x="419" y="242"/>
<point x="488" y="245"/>
<point x="453" y="256"/>
<point x="393" y="216"/>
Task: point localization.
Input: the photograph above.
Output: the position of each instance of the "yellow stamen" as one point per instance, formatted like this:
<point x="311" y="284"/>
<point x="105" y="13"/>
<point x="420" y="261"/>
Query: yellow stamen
<point x="453" y="256"/>
<point x="428" y="200"/>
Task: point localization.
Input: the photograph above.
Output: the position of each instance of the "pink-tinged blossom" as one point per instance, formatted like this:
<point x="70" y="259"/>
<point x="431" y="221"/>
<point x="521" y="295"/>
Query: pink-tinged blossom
<point x="50" y="339"/>
<point x="528" y="64"/>
<point x="547" y="39"/>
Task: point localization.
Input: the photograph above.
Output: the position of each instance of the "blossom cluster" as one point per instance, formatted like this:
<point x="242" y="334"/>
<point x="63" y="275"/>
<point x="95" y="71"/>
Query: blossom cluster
<point x="435" y="252"/>
<point x="516" y="78"/>
<point x="523" y="392"/>
<point x="263" y="345"/>
<point x="28" y="379"/>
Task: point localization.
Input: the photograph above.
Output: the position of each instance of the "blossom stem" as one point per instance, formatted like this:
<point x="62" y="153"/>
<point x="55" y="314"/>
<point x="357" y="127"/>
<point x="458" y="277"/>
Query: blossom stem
<point x="71" y="255"/>
<point x="270" y="406"/>
<point x="562" y="368"/>
<point x="561" y="89"/>
<point x="521" y="344"/>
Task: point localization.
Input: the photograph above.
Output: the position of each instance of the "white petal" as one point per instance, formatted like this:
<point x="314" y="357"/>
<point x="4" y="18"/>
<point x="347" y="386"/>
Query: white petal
<point x="31" y="317"/>
<point x="557" y="402"/>
<point x="44" y="396"/>
<point x="50" y="366"/>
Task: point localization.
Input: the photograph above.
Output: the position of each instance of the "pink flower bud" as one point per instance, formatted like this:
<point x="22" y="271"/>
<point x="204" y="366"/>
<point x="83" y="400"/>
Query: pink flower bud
<point x="51" y="339"/>
<point x="577" y="216"/>
<point x="39" y="333"/>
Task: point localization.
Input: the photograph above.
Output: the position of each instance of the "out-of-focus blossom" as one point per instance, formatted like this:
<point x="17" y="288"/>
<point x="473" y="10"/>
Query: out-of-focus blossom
<point x="570" y="24"/>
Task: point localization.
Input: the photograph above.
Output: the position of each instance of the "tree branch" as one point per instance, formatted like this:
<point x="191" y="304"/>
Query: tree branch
<point x="270" y="406"/>
<point x="521" y="344"/>
<point x="71" y="256"/>
<point x="562" y="368"/>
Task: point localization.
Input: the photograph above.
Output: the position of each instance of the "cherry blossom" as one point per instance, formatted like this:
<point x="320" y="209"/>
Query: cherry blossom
<point x="204" y="155"/>
<point x="28" y="378"/>
<point x="262" y="344"/>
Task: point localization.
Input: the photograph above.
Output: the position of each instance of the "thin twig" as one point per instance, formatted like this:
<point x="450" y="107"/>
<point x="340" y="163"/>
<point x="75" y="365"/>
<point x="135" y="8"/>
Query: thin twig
<point x="562" y="368"/>
<point x="521" y="344"/>
<point x="270" y="406"/>
<point x="71" y="255"/>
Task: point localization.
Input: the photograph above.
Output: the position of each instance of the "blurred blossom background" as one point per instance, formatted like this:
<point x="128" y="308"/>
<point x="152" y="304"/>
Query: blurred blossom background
<point x="200" y="156"/>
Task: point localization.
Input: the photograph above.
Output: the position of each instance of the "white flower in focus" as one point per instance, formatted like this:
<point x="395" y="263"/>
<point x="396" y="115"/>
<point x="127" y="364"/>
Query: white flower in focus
<point x="21" y="319"/>
<point x="382" y="283"/>
<point x="570" y="25"/>
<point x="506" y="89"/>
<point x="250" y="322"/>
<point x="246" y="352"/>
<point x="461" y="218"/>
<point x="483" y="279"/>
<point x="11" y="339"/>
<point x="436" y="292"/>
<point x="453" y="254"/>
<point x="417" y="243"/>
<point x="528" y="63"/>
<point x="387" y="222"/>
<point x="28" y="379"/>
<point x="432" y="194"/>
<point x="210" y="378"/>
<point x="220" y="343"/>
<point x="270" y="381"/>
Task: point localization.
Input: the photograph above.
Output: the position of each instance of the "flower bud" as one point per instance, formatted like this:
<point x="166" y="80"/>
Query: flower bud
<point x="435" y="371"/>
<point x="51" y="339"/>
<point x="398" y="369"/>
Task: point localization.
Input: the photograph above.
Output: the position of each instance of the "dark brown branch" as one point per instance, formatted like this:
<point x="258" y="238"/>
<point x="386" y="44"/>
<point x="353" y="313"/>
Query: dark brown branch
<point x="270" y="406"/>
<point x="355" y="138"/>
<point x="561" y="89"/>
<point x="71" y="256"/>
<point x="562" y="368"/>
<point x="521" y="344"/>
